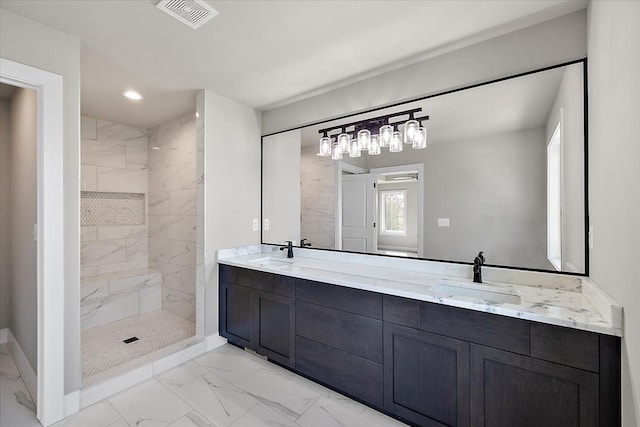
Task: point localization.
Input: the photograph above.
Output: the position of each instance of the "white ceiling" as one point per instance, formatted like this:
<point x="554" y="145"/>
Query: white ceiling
<point x="262" y="53"/>
<point x="507" y="106"/>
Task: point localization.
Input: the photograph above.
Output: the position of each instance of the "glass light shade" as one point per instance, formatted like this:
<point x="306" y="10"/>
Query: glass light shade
<point x="354" y="150"/>
<point x="395" y="145"/>
<point x="386" y="132"/>
<point x="325" y="147"/>
<point x="374" y="148"/>
<point x="410" y="130"/>
<point x="364" y="139"/>
<point x="336" y="152"/>
<point x="343" y="142"/>
<point x="420" y="138"/>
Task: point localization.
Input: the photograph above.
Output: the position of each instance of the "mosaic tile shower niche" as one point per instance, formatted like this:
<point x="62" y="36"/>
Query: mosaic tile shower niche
<point x="105" y="208"/>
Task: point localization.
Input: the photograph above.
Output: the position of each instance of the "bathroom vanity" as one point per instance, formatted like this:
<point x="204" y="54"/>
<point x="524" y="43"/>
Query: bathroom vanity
<point x="393" y="339"/>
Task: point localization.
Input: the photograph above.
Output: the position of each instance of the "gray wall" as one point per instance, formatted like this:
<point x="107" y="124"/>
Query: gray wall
<point x="5" y="214"/>
<point x="549" y="43"/>
<point x="30" y="43"/>
<point x="570" y="100"/>
<point x="232" y="186"/>
<point x="614" y="175"/>
<point x="492" y="189"/>
<point x="281" y="197"/>
<point x="24" y="211"/>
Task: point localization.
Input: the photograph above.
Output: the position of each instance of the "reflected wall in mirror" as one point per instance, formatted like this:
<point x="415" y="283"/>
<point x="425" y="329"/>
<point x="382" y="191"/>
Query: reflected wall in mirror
<point x="503" y="172"/>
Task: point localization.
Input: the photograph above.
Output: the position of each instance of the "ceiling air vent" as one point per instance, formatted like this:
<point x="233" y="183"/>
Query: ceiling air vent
<point x="194" y="13"/>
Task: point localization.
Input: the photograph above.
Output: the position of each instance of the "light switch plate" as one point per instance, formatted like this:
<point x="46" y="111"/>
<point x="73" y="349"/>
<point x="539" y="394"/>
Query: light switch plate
<point x="266" y="224"/>
<point x="443" y="222"/>
<point x="256" y="224"/>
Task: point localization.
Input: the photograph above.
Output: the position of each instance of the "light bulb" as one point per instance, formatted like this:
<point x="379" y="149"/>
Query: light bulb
<point x="386" y="132"/>
<point x="374" y="148"/>
<point x="410" y="130"/>
<point x="325" y="147"/>
<point x="343" y="142"/>
<point x="364" y="139"/>
<point x="336" y="152"/>
<point x="420" y="138"/>
<point x="354" y="150"/>
<point x="395" y="145"/>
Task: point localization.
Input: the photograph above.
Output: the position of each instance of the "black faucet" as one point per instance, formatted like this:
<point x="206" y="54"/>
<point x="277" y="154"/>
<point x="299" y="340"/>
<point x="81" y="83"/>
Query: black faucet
<point x="304" y="244"/>
<point x="477" y="267"/>
<point x="289" y="248"/>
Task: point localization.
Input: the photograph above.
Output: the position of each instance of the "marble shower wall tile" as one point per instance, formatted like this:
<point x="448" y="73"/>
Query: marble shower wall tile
<point x="113" y="159"/>
<point x="318" y="199"/>
<point x="121" y="134"/>
<point x="172" y="217"/>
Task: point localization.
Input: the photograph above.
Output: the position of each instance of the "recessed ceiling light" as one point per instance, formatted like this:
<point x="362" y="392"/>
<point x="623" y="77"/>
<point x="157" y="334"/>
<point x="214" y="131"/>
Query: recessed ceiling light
<point x="133" y="95"/>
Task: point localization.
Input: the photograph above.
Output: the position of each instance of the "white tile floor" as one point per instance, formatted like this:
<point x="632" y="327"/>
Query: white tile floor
<point x="224" y="387"/>
<point x="103" y="349"/>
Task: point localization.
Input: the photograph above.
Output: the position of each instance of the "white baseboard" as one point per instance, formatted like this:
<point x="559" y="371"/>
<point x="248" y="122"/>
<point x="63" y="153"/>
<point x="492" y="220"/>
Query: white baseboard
<point x="26" y="371"/>
<point x="3" y="335"/>
<point x="214" y="340"/>
<point x="71" y="403"/>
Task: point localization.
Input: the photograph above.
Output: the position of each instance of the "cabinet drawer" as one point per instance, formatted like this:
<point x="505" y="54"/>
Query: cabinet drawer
<point x="571" y="347"/>
<point x="228" y="273"/>
<point x="256" y="280"/>
<point x="351" y="300"/>
<point x="354" y="334"/>
<point x="352" y="375"/>
<point x="401" y="311"/>
<point x="474" y="326"/>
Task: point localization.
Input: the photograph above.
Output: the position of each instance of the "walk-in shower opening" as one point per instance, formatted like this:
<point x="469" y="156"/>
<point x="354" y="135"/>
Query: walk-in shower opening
<point x="138" y="252"/>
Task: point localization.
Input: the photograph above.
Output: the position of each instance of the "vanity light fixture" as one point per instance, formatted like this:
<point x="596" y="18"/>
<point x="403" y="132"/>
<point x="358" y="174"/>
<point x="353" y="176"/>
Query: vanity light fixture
<point x="132" y="95"/>
<point x="371" y="135"/>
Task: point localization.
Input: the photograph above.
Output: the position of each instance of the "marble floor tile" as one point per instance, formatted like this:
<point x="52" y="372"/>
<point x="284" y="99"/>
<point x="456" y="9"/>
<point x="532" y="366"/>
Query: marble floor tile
<point x="219" y="401"/>
<point x="16" y="406"/>
<point x="263" y="416"/>
<point x="231" y="363"/>
<point x="327" y="413"/>
<point x="101" y="414"/>
<point x="192" y="419"/>
<point x="279" y="391"/>
<point x="149" y="404"/>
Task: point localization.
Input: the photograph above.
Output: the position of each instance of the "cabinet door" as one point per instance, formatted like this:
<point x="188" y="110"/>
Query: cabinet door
<point x="509" y="389"/>
<point x="426" y="377"/>
<point x="235" y="314"/>
<point x="274" y="327"/>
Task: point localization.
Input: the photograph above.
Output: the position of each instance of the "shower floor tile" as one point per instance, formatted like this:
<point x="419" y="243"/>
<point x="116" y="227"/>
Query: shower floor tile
<point x="103" y="347"/>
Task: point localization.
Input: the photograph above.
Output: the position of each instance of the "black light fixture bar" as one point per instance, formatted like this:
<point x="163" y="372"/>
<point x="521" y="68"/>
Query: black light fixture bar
<point x="374" y="123"/>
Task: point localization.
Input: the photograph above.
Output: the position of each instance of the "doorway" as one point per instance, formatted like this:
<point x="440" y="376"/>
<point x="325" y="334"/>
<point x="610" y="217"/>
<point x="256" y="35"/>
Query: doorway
<point x="41" y="235"/>
<point x="380" y="210"/>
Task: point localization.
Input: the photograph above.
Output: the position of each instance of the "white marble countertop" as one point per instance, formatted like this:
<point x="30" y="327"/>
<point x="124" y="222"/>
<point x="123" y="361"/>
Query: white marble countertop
<point x="556" y="305"/>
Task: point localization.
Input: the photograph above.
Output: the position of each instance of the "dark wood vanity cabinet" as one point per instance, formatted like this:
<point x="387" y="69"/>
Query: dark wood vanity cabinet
<point x="509" y="389"/>
<point x="339" y="339"/>
<point x="424" y="363"/>
<point x="257" y="311"/>
<point x="426" y="377"/>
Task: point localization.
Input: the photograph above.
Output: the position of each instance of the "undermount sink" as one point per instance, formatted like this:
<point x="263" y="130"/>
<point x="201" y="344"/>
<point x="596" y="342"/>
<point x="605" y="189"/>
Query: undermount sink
<point x="485" y="292"/>
<point x="274" y="261"/>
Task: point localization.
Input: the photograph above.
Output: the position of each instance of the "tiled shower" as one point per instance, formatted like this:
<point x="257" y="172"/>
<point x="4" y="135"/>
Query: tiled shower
<point x="138" y="232"/>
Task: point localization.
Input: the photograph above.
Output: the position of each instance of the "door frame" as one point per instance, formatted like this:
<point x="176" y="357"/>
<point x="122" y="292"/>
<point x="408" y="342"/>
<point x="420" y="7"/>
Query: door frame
<point x="50" y="233"/>
<point x="342" y="167"/>
<point x="419" y="168"/>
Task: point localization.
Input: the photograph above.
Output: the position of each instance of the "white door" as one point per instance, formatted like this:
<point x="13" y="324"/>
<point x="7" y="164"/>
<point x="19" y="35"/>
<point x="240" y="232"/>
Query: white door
<point x="358" y="213"/>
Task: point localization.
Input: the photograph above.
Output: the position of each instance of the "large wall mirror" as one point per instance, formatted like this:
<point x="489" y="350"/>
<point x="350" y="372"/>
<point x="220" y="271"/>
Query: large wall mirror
<point x="503" y="172"/>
